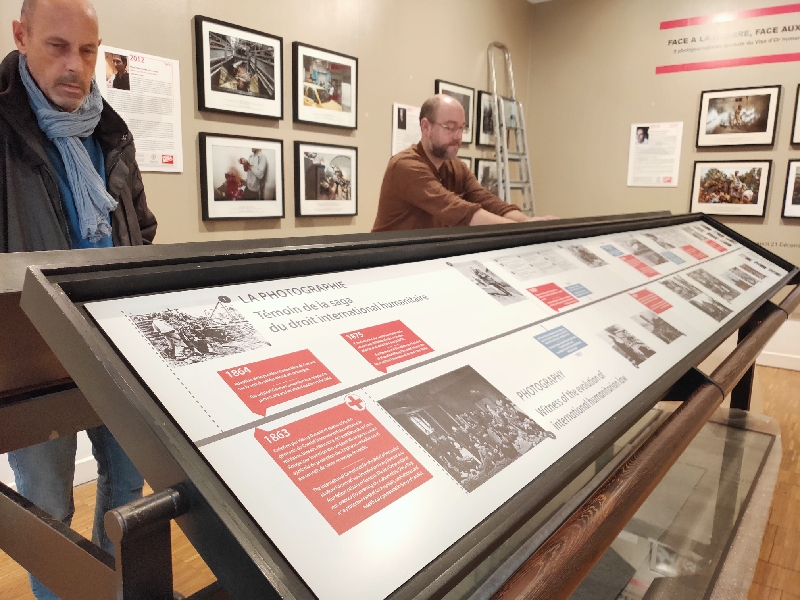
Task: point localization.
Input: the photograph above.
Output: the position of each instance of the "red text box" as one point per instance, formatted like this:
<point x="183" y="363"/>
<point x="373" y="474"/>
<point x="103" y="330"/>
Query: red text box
<point x="694" y="252"/>
<point x="640" y="266"/>
<point x="345" y="462"/>
<point x="554" y="296"/>
<point x="716" y="246"/>
<point x="655" y="303"/>
<point x="267" y="383"/>
<point x="387" y="344"/>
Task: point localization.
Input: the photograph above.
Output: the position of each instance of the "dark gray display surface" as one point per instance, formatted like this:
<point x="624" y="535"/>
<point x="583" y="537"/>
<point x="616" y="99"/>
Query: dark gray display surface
<point x="223" y="530"/>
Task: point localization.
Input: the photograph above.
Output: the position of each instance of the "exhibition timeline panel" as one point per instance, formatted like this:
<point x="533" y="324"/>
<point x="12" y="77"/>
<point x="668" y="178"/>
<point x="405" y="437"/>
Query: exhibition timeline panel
<point x="385" y="412"/>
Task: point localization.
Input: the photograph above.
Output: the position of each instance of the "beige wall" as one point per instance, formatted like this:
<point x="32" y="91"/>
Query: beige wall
<point x="593" y="75"/>
<point x="402" y="48"/>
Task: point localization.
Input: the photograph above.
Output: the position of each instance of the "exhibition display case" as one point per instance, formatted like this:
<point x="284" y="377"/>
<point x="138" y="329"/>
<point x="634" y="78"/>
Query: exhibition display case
<point x="372" y="416"/>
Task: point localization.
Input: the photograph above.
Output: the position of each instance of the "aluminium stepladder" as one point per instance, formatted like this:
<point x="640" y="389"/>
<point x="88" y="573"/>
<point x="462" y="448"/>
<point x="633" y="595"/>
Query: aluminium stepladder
<point x="509" y="123"/>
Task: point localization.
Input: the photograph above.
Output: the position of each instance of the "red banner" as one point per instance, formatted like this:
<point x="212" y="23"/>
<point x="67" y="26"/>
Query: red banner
<point x="387" y="344"/>
<point x="554" y="296"/>
<point x="266" y="383"/>
<point x="345" y="462"/>
<point x="640" y="266"/>
<point x="716" y="246"/>
<point x="694" y="252"/>
<point x="655" y="303"/>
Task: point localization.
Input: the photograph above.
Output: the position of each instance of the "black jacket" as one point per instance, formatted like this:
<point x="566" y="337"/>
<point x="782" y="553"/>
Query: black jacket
<point x="31" y="212"/>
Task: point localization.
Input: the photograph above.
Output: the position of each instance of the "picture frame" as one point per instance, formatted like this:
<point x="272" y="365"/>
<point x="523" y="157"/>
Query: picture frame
<point x="466" y="97"/>
<point x="485" y="120"/>
<point x="791" y="198"/>
<point x="324" y="87"/>
<point x="230" y="187"/>
<point x="325" y="180"/>
<point x="486" y="173"/>
<point x="239" y="70"/>
<point x="796" y="123"/>
<point x="467" y="160"/>
<point x="732" y="188"/>
<point x="738" y="117"/>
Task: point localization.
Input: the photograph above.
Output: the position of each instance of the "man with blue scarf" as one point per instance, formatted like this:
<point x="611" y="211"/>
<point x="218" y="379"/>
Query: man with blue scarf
<point x="68" y="179"/>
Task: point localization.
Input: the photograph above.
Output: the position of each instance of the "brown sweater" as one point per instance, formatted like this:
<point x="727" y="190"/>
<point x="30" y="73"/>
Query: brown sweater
<point x="414" y="195"/>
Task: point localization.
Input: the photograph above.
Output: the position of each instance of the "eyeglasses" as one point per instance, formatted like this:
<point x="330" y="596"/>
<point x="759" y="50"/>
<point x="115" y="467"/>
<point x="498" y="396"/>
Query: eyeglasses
<point x="451" y="129"/>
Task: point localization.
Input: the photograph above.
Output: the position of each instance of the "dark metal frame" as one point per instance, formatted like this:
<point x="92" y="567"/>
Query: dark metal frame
<point x="201" y="59"/>
<point x="795" y="139"/>
<point x="692" y="202"/>
<point x="297" y="97"/>
<point x="756" y="87"/>
<point x="205" y="191"/>
<point x="787" y="195"/>
<point x="246" y="562"/>
<point x="299" y="173"/>
<point x="469" y="114"/>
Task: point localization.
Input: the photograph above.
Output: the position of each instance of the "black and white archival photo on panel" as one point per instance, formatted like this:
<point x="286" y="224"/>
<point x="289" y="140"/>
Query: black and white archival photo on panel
<point x="586" y="256"/>
<point x="187" y="336"/>
<point x="657" y="326"/>
<point x="708" y="281"/>
<point x="466" y="424"/>
<point x="627" y="345"/>
<point x="716" y="310"/>
<point x="489" y="282"/>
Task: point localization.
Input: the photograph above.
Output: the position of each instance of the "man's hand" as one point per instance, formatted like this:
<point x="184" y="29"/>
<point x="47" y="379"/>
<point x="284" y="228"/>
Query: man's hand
<point x="245" y="164"/>
<point x="484" y="217"/>
<point x="520" y="217"/>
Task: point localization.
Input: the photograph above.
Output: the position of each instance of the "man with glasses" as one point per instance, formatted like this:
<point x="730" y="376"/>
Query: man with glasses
<point x="426" y="185"/>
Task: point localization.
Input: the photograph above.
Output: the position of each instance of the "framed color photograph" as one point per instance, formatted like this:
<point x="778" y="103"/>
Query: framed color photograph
<point x="465" y="97"/>
<point x="734" y="188"/>
<point x="796" y="126"/>
<point x="241" y="177"/>
<point x="239" y="70"/>
<point x="467" y="161"/>
<point x="738" y="117"/>
<point x="325" y="87"/>
<point x="486" y="173"/>
<point x="791" y="200"/>
<point x="325" y="180"/>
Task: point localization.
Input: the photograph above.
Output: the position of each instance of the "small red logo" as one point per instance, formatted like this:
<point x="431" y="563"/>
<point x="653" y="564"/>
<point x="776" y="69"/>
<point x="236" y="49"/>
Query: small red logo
<point x="355" y="403"/>
<point x="167" y="159"/>
<point x="667" y="179"/>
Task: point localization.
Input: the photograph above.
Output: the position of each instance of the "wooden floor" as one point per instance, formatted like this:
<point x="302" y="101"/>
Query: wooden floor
<point x="190" y="573"/>
<point x="777" y="575"/>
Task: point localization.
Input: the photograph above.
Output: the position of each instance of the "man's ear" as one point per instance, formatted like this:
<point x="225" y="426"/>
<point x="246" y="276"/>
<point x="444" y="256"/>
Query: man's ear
<point x="19" y="29"/>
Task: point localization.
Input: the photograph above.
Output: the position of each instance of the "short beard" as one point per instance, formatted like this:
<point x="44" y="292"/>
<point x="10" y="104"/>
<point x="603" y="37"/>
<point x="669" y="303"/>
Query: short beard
<point x="441" y="152"/>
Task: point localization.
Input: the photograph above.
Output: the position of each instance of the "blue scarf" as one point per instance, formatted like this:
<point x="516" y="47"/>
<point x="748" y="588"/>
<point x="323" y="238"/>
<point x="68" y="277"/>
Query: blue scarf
<point x="92" y="202"/>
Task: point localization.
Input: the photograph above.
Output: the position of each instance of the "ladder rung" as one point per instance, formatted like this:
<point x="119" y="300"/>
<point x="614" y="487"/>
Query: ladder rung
<point x="517" y="185"/>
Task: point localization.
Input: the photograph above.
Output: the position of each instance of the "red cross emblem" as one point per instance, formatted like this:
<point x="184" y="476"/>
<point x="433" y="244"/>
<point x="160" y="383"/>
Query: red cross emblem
<point x="355" y="403"/>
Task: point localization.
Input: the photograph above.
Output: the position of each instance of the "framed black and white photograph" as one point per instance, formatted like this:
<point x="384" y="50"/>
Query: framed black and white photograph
<point x="241" y="177"/>
<point x="465" y="97"/>
<point x="738" y="117"/>
<point x="486" y="173"/>
<point x="325" y="87"/>
<point x="325" y="180"/>
<point x="791" y="200"/>
<point x="239" y="70"/>
<point x="467" y="161"/>
<point x="796" y="125"/>
<point x="485" y="120"/>
<point x="734" y="187"/>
